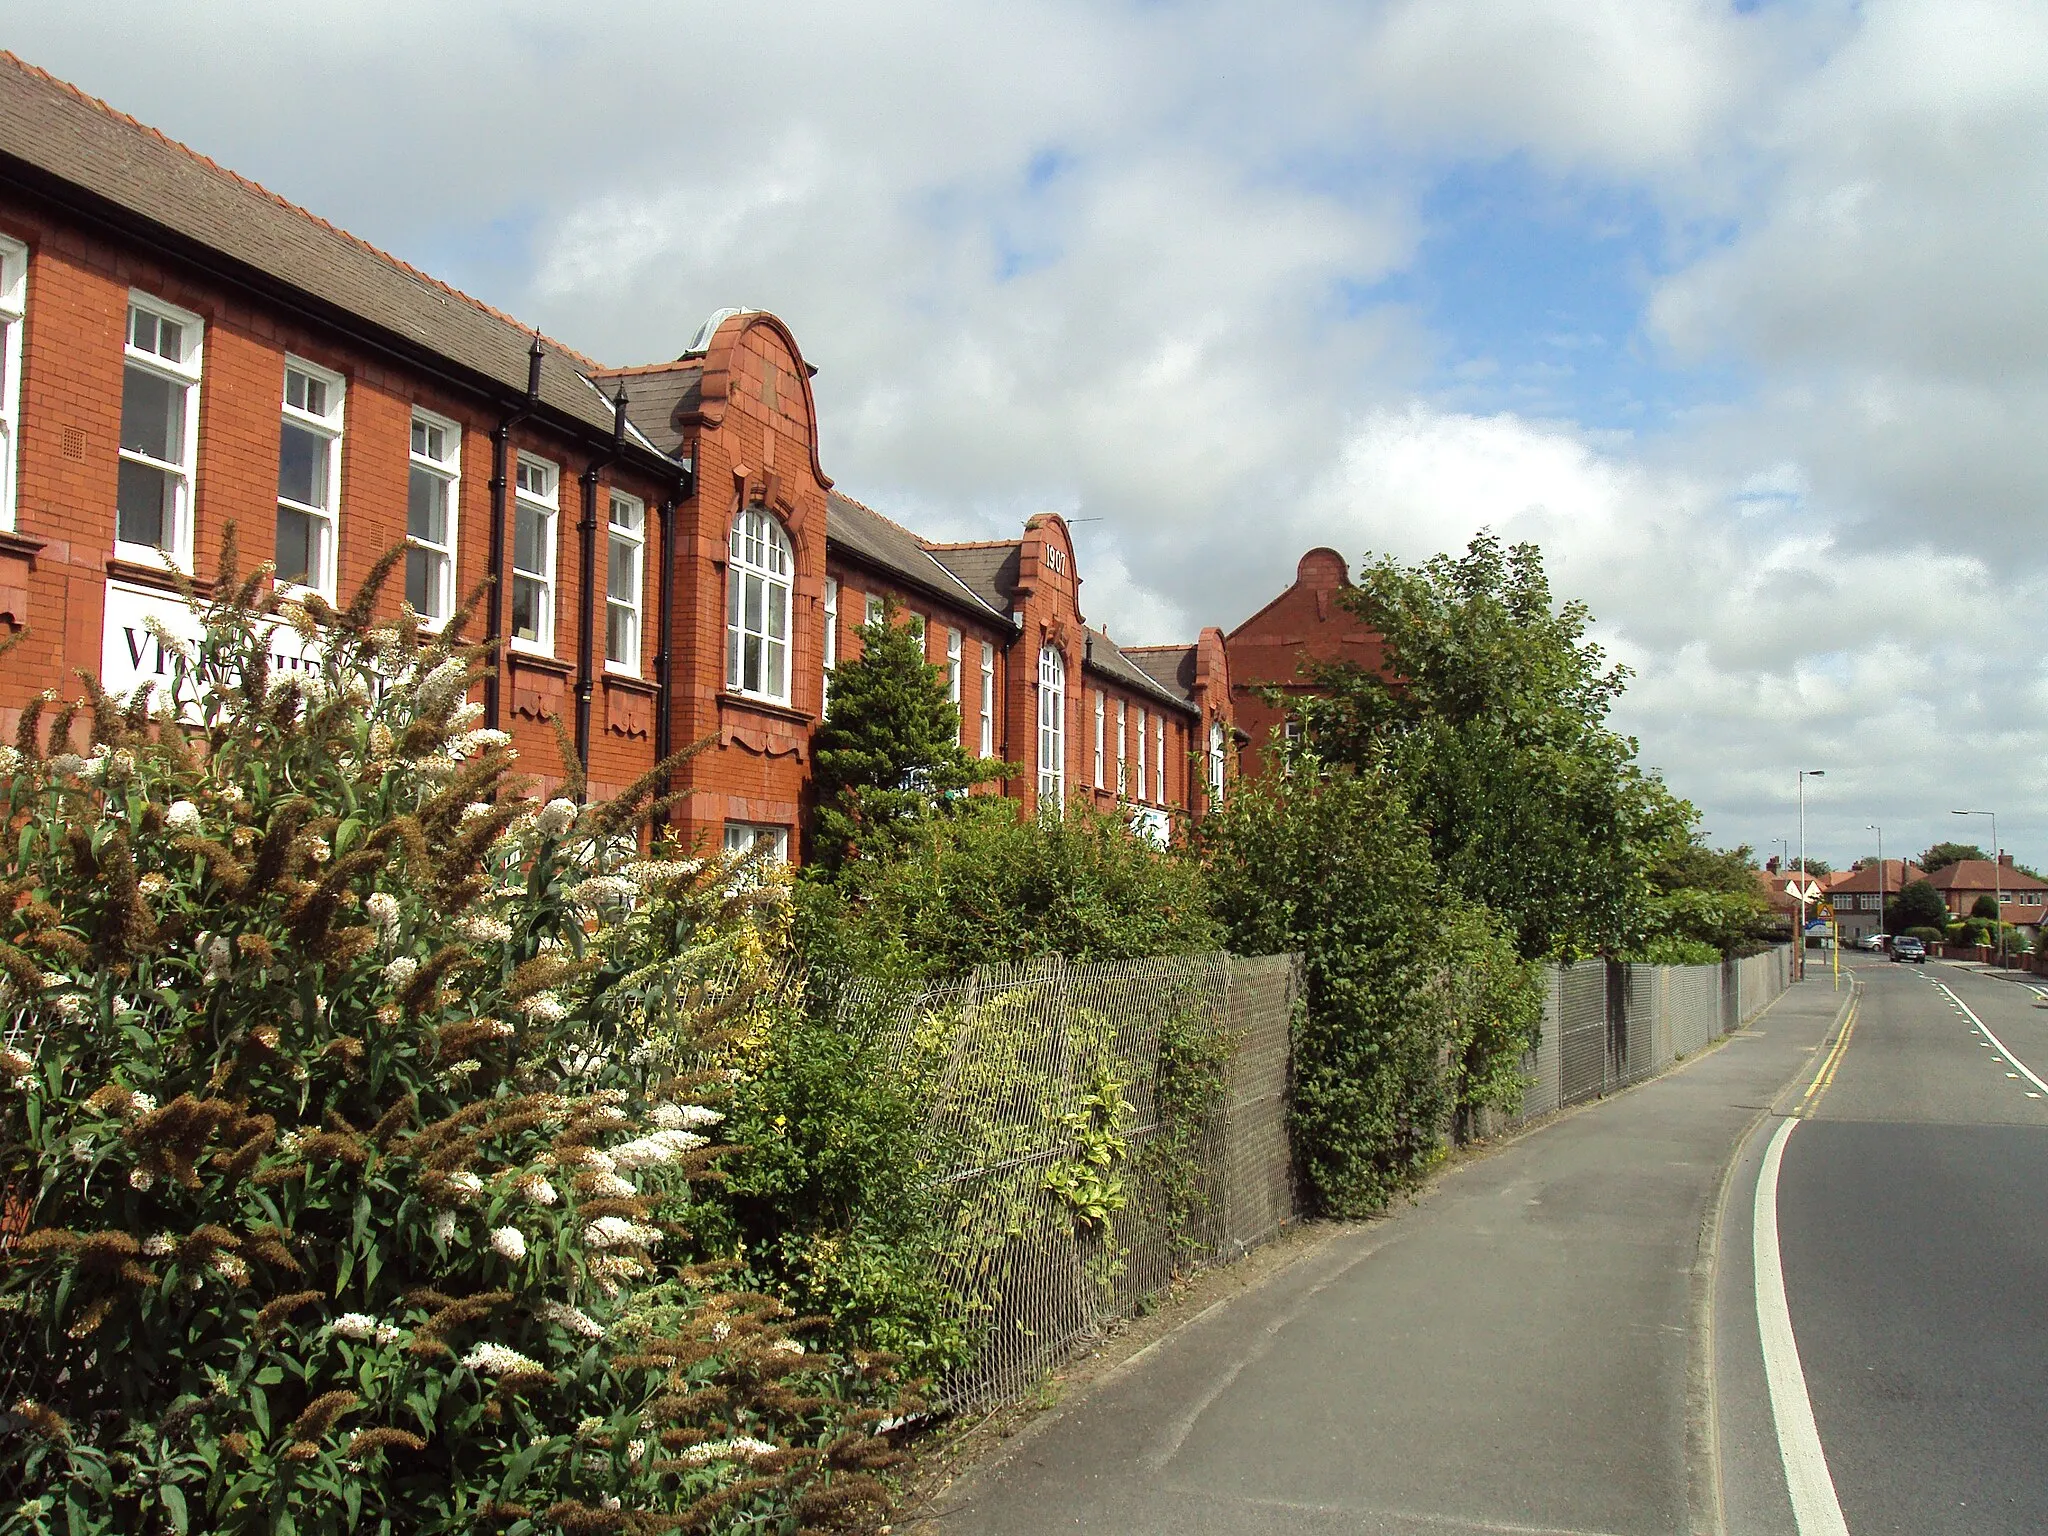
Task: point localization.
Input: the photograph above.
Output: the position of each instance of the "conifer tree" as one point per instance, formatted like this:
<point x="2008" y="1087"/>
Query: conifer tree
<point x="888" y="756"/>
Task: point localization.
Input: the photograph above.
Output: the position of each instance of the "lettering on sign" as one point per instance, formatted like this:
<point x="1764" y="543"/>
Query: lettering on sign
<point x="131" y="655"/>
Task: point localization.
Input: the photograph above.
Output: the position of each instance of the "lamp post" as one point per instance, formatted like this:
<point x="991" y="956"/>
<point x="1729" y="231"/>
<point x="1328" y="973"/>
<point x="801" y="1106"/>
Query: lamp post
<point x="1871" y="826"/>
<point x="1799" y="946"/>
<point x="1997" y="878"/>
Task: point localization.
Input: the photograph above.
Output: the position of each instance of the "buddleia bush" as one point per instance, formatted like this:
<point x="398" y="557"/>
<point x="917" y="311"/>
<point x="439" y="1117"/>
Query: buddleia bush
<point x="346" y="1185"/>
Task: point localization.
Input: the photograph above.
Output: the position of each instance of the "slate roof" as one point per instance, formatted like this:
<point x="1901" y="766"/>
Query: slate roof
<point x="989" y="571"/>
<point x="656" y="396"/>
<point x="55" y="139"/>
<point x="865" y="534"/>
<point x="1107" y="657"/>
<point x="1172" y="667"/>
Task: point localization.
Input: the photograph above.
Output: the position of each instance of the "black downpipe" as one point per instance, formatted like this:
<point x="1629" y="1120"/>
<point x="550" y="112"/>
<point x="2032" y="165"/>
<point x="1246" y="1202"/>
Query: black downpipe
<point x="586" y="620"/>
<point x="501" y="440"/>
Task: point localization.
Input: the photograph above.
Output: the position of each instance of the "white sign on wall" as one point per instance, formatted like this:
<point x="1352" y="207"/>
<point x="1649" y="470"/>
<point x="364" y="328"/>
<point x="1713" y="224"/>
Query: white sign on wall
<point x="130" y="655"/>
<point x="1153" y="824"/>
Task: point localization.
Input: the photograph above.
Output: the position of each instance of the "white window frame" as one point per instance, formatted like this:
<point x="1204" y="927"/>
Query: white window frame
<point x="1101" y="717"/>
<point x="775" y="569"/>
<point x="953" y="652"/>
<point x="876" y="606"/>
<point x="448" y="470"/>
<point x="1123" y="776"/>
<point x="1217" y="762"/>
<point x="330" y="428"/>
<point x="831" y="640"/>
<point x="1159" y="758"/>
<point x="1140" y="795"/>
<point x="548" y="503"/>
<point x="188" y="370"/>
<point x="634" y="536"/>
<point x="988" y="699"/>
<point x="741" y="837"/>
<point x="1052" y="726"/>
<point x="14" y="318"/>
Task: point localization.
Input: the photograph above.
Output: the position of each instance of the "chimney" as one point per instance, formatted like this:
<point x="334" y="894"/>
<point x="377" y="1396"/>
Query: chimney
<point x="1771" y="865"/>
<point x="2005" y="860"/>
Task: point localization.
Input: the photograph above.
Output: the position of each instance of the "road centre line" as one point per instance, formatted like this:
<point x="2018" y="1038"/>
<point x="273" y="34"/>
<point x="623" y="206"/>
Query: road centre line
<point x="1812" y="1488"/>
<point x="1997" y="1043"/>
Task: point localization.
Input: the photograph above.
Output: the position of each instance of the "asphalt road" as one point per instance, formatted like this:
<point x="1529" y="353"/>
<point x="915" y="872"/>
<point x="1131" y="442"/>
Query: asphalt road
<point x="1521" y="1351"/>
<point x="1911" y="1210"/>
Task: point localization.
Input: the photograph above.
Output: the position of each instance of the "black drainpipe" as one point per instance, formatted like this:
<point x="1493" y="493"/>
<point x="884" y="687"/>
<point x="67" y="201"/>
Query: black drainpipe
<point x="586" y="621"/>
<point x="664" y="681"/>
<point x="501" y="438"/>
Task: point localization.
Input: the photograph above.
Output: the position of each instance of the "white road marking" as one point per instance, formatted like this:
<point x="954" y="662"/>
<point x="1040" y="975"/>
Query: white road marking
<point x="1814" y="1504"/>
<point x="1997" y="1043"/>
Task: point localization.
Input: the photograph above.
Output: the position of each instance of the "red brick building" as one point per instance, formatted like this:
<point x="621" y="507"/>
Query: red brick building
<point x="1305" y="624"/>
<point x="666" y="559"/>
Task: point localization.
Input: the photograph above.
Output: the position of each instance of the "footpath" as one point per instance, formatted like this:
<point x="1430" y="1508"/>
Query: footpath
<point x="1523" y="1349"/>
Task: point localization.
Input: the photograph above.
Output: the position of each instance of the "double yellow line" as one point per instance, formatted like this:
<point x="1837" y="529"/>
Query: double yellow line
<point x="1826" y="1075"/>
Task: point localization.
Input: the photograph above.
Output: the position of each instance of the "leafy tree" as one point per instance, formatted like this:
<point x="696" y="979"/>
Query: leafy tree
<point x="1919" y="905"/>
<point x="989" y="886"/>
<point x="888" y="757"/>
<point x="1941" y="855"/>
<point x="1418" y="1007"/>
<point x="1813" y="864"/>
<point x="1704" y="903"/>
<point x="347" y="1176"/>
<point x="1492" y="716"/>
<point x="1985" y="906"/>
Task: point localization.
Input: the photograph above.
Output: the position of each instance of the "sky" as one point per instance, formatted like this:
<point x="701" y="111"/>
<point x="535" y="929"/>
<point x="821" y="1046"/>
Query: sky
<point x="1737" y="310"/>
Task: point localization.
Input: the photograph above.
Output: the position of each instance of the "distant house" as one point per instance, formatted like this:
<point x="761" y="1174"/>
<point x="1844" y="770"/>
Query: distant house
<point x="2023" y="897"/>
<point x="1857" y="894"/>
<point x="1777" y="885"/>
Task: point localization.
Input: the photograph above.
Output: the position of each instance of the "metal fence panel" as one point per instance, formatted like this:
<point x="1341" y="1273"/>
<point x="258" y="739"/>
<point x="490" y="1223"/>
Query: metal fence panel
<point x="1582" y="1031"/>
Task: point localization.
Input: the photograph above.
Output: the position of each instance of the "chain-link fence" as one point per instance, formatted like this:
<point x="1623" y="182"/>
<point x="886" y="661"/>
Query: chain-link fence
<point x="1096" y="1130"/>
<point x="1606" y="1025"/>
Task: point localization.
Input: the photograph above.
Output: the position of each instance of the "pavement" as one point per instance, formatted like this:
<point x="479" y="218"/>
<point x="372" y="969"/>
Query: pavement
<point x="1527" y="1348"/>
<point x="1910" y="1206"/>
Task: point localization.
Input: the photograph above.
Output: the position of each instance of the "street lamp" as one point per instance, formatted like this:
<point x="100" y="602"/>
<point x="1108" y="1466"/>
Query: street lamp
<point x="1997" y="878"/>
<point x="1799" y="947"/>
<point x="1871" y="826"/>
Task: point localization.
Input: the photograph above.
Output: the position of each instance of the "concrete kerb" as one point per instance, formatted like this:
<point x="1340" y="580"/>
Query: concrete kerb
<point x="1705" y="1511"/>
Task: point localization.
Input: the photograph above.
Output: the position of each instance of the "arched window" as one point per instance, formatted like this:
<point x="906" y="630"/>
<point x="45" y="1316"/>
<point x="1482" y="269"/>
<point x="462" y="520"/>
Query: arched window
<point x="1052" y="726"/>
<point x="757" y="607"/>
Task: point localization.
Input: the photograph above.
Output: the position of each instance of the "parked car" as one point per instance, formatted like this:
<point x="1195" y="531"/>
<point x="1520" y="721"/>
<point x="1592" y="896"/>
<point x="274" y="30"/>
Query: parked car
<point x="1906" y="947"/>
<point x="1873" y="942"/>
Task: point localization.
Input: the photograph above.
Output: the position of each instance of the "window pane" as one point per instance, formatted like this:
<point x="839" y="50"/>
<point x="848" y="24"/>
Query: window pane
<point x="623" y="581"/>
<point x="142" y="330"/>
<point x="170" y="341"/>
<point x="426" y="515"/>
<point x="622" y="636"/>
<point x="627" y="514"/>
<point x="771" y="670"/>
<point x="732" y="656"/>
<point x="778" y="616"/>
<point x="750" y="671"/>
<point x="526" y="608"/>
<point x="529" y="541"/>
<point x="298" y="545"/>
<point x="302" y="466"/>
<point x="146" y="511"/>
<point x="754" y="584"/>
<point x="423" y="582"/>
<point x="153" y="416"/>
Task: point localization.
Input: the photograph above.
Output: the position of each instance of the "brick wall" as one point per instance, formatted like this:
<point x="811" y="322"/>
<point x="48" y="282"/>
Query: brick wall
<point x="1306" y="623"/>
<point x="71" y="390"/>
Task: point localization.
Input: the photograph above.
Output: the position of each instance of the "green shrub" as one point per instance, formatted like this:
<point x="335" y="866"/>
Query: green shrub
<point x="1336" y="868"/>
<point x="347" y="1172"/>
<point x="831" y="1205"/>
<point x="1927" y="935"/>
<point x="992" y="887"/>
